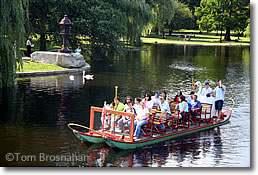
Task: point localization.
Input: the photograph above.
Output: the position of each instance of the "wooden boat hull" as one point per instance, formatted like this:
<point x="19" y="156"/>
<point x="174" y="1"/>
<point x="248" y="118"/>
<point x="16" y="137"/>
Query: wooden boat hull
<point x="89" y="137"/>
<point x="137" y="144"/>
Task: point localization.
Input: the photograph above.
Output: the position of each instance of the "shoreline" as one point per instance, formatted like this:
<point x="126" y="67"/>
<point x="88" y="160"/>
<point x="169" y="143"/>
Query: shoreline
<point x="166" y="41"/>
<point x="54" y="72"/>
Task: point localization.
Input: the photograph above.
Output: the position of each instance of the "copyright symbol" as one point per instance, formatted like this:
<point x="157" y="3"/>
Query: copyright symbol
<point x="9" y="157"/>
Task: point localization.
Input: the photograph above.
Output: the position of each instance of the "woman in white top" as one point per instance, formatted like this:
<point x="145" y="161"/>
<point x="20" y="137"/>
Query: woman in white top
<point x="148" y="103"/>
<point x="140" y="120"/>
<point x="137" y="105"/>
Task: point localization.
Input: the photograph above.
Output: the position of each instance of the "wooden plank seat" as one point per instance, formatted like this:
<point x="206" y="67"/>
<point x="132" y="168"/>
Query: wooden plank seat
<point x="197" y="116"/>
<point x="206" y="110"/>
<point x="159" y="119"/>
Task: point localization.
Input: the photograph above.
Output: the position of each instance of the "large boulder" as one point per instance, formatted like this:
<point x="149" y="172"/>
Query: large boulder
<point x="67" y="60"/>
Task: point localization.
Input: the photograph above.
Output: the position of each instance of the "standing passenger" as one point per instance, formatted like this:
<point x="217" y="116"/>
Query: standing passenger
<point x="220" y="91"/>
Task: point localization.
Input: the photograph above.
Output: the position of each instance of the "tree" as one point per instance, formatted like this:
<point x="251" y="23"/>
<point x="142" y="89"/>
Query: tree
<point x="12" y="31"/>
<point x="183" y="18"/>
<point x="207" y="15"/>
<point x="162" y="13"/>
<point x="230" y="14"/>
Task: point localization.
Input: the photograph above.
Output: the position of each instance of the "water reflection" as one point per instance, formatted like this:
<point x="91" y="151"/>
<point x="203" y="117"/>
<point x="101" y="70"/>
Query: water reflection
<point x="35" y="113"/>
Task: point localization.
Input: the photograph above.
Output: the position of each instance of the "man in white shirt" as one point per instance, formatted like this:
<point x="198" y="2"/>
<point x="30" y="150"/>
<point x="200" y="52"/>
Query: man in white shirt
<point x="155" y="99"/>
<point x="207" y="89"/>
<point x="28" y="44"/>
<point x="220" y="91"/>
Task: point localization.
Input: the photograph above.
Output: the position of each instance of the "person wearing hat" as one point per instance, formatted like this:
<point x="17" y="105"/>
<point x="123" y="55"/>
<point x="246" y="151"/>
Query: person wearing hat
<point x="206" y="90"/>
<point x="155" y="99"/>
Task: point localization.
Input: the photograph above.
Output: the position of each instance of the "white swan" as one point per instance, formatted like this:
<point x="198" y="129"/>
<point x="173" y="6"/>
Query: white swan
<point x="204" y="98"/>
<point x="71" y="77"/>
<point x="87" y="77"/>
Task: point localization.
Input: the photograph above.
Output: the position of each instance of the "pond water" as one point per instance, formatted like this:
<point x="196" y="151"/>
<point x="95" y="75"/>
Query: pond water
<point x="35" y="114"/>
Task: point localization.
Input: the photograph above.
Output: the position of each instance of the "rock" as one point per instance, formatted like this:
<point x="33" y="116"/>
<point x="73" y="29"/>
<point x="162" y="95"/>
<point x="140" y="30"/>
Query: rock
<point x="67" y="60"/>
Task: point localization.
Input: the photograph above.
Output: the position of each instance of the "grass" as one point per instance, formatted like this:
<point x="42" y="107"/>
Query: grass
<point x="35" y="67"/>
<point x="196" y="38"/>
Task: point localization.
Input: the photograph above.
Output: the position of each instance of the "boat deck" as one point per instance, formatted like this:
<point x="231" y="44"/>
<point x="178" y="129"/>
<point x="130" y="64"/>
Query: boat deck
<point x="156" y="134"/>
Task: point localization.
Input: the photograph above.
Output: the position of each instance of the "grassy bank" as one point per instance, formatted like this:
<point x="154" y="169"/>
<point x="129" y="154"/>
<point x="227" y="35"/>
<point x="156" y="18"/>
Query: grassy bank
<point x="35" y="67"/>
<point x="195" y="39"/>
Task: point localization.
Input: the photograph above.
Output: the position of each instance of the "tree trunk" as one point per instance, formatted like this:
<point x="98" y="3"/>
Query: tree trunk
<point x="170" y="32"/>
<point x="163" y="33"/>
<point x="42" y="40"/>
<point x="227" y="35"/>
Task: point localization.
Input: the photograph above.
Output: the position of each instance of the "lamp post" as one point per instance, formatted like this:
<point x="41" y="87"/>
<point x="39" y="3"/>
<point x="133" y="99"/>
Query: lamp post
<point x="65" y="29"/>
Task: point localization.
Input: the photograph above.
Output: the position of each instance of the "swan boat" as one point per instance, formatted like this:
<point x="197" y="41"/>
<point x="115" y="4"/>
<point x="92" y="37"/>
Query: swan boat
<point x="150" y="134"/>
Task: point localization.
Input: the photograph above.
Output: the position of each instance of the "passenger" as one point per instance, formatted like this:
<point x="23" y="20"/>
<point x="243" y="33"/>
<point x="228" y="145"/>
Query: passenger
<point x="118" y="107"/>
<point x="164" y="106"/>
<point x="191" y="97"/>
<point x="183" y="106"/>
<point x="126" y="119"/>
<point x="137" y="105"/>
<point x="207" y="89"/>
<point x="155" y="99"/>
<point x="140" y="120"/>
<point x="164" y="94"/>
<point x="107" y="116"/>
<point x="196" y="105"/>
<point x="177" y="97"/>
<point x="127" y="100"/>
<point x="220" y="91"/>
<point x="148" y="103"/>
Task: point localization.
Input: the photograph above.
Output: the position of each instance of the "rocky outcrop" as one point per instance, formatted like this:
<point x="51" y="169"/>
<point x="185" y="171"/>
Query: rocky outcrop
<point x="67" y="60"/>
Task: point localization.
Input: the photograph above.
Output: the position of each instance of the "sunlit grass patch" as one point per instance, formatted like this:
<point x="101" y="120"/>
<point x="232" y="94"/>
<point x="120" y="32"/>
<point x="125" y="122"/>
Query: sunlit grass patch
<point x="35" y="67"/>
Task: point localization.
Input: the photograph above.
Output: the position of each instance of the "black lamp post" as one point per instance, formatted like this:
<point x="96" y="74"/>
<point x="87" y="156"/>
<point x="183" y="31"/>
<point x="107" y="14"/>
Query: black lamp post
<point x="65" y="29"/>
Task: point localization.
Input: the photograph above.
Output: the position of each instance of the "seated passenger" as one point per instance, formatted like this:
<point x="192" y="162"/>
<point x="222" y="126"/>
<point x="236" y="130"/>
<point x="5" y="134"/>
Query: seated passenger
<point x="148" y="103"/>
<point x="196" y="105"/>
<point x="190" y="98"/>
<point x="207" y="89"/>
<point x="137" y="105"/>
<point x="126" y="119"/>
<point x="140" y="120"/>
<point x="155" y="99"/>
<point x="183" y="106"/>
<point x="118" y="107"/>
<point x="164" y="107"/>
<point x="127" y="100"/>
<point x="177" y="97"/>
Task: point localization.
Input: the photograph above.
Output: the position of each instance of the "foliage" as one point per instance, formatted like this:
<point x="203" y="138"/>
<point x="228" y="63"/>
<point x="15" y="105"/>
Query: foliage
<point x="228" y="14"/>
<point x="162" y="13"/>
<point x="12" y="17"/>
<point x="183" y="18"/>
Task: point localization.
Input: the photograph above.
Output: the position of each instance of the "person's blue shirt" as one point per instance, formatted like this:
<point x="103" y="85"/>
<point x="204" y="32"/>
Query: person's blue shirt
<point x="78" y="50"/>
<point x="196" y="104"/>
<point x="220" y="93"/>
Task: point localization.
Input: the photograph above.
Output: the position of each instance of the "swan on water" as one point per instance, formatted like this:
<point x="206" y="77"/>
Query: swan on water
<point x="71" y="77"/>
<point x="87" y="77"/>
